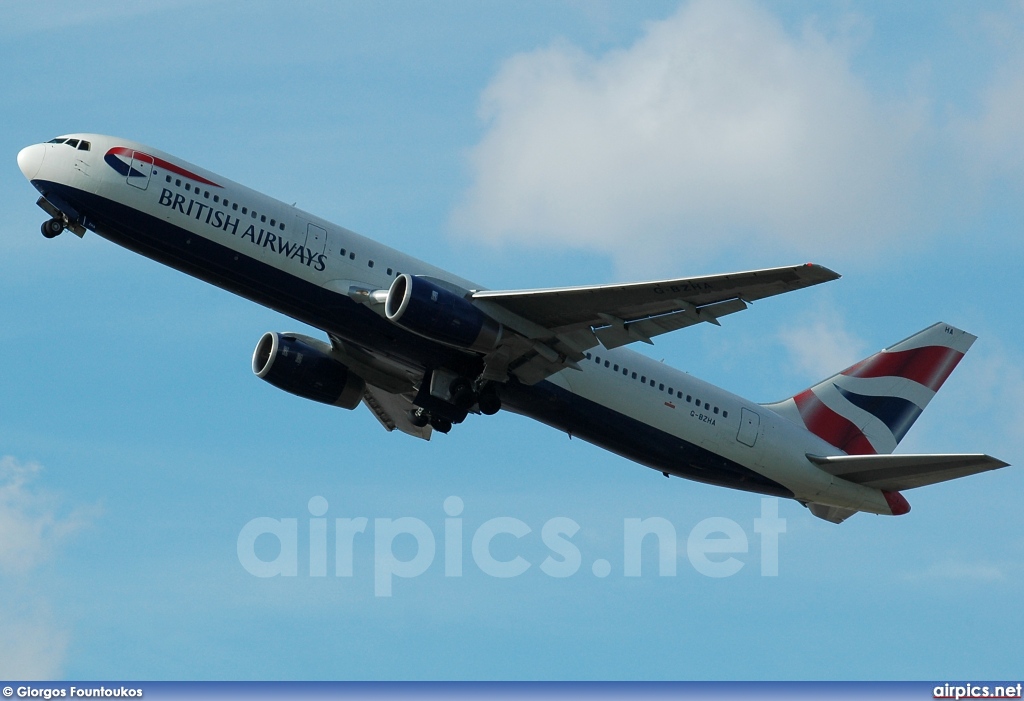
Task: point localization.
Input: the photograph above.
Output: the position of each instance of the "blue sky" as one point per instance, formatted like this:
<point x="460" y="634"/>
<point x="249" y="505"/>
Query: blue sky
<point x="535" y="144"/>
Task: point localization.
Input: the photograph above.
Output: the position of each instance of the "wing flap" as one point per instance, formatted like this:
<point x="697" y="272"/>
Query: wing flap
<point x="897" y="472"/>
<point x="392" y="410"/>
<point x="619" y="333"/>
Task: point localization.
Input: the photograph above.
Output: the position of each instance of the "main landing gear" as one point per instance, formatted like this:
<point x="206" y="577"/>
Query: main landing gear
<point x="52" y="228"/>
<point x="485" y="396"/>
<point x="462" y="395"/>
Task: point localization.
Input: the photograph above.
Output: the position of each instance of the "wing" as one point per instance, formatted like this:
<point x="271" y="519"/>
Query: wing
<point x="554" y="327"/>
<point x="896" y="472"/>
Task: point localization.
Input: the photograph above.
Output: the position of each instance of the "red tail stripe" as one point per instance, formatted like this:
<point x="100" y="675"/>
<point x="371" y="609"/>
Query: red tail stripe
<point x="929" y="366"/>
<point x="830" y="426"/>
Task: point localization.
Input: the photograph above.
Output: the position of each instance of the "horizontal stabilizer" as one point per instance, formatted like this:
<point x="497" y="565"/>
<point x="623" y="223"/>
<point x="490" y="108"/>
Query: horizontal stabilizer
<point x="896" y="472"/>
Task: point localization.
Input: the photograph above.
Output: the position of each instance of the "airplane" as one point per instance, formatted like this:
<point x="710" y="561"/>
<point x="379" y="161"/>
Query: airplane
<point x="422" y="348"/>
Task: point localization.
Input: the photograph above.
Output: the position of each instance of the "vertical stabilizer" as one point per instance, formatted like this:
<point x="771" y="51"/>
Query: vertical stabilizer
<point x="869" y="407"/>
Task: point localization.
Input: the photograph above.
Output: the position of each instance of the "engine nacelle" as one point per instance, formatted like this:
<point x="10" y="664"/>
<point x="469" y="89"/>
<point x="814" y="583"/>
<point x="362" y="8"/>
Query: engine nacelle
<point x="425" y="308"/>
<point x="304" y="366"/>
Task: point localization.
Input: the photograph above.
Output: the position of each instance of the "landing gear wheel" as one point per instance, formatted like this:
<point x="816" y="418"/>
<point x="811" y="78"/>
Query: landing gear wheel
<point x="51" y="228"/>
<point x="439" y="424"/>
<point x="419" y="418"/>
<point x="489" y="402"/>
<point x="462" y="393"/>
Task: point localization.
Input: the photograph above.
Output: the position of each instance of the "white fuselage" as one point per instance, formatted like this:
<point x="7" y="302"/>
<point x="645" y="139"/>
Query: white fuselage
<point x="233" y="225"/>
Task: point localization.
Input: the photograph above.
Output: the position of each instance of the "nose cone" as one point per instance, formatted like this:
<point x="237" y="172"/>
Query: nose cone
<point x="30" y="159"/>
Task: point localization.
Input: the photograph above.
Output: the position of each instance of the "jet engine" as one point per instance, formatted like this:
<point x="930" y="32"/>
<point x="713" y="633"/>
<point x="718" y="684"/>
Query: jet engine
<point x="305" y="367"/>
<point x="425" y="308"/>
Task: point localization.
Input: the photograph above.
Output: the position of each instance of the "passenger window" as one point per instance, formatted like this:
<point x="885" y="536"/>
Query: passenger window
<point x="370" y="263"/>
<point x="598" y="360"/>
<point x="616" y="367"/>
<point x="725" y="414"/>
<point x="661" y="388"/>
<point x="670" y="391"/>
<point x="643" y="378"/>
<point x="206" y="194"/>
<point x="216" y="198"/>
<point x="168" y="178"/>
<point x="234" y="206"/>
<point x="716" y="410"/>
<point x="606" y="363"/>
<point x="688" y="398"/>
<point x="652" y="382"/>
<point x="254" y="214"/>
<point x="706" y="406"/>
<point x="343" y="253"/>
<point x="177" y="182"/>
<point x="634" y="375"/>
<point x="245" y="210"/>
<point x="352" y="256"/>
<point x="187" y="186"/>
<point x="273" y="222"/>
<point x="389" y="271"/>
<point x="263" y="218"/>
<point x="281" y="226"/>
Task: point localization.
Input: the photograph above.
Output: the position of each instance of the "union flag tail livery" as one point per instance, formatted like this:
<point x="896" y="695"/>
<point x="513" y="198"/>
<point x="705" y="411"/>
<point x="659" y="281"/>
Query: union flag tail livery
<point x="423" y="349"/>
<point x="868" y="408"/>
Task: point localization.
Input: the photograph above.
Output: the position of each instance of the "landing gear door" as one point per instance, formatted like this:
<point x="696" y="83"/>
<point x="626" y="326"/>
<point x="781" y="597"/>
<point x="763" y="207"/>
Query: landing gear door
<point x="750" y="423"/>
<point x="140" y="171"/>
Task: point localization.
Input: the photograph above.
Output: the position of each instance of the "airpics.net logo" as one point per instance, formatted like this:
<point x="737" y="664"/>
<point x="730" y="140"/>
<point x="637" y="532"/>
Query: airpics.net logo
<point x="406" y="547"/>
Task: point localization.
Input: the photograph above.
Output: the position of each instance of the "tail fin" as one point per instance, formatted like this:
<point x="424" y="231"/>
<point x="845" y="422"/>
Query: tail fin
<point x="867" y="408"/>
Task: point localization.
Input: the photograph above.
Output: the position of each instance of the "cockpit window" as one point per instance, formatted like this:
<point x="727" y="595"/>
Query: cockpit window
<point x="73" y="143"/>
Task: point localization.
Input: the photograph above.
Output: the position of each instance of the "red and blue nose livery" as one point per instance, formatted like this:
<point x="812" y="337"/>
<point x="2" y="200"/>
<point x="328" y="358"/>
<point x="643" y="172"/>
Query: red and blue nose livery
<point x="868" y="408"/>
<point x="136" y="164"/>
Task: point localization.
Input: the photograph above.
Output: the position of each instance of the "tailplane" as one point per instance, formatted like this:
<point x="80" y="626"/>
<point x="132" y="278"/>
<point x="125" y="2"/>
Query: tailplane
<point x="868" y="408"/>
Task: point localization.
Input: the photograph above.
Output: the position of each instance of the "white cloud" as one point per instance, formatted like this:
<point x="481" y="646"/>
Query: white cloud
<point x="992" y="141"/>
<point x="715" y="130"/>
<point x="32" y="528"/>
<point x="33" y="644"/>
<point x="988" y="390"/>
<point x="820" y="345"/>
<point x="18" y="18"/>
<point x="964" y="571"/>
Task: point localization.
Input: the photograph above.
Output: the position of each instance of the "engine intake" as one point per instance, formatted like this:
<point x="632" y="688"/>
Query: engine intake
<point x="425" y="308"/>
<point x="304" y="366"/>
